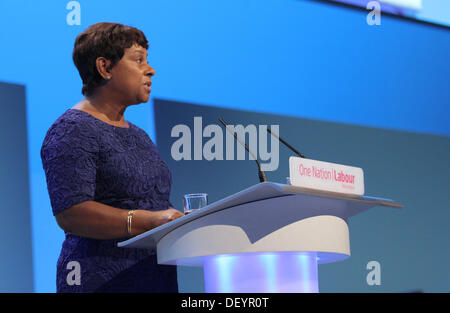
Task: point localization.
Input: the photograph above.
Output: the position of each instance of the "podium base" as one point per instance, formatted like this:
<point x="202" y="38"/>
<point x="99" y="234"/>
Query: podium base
<point x="289" y="272"/>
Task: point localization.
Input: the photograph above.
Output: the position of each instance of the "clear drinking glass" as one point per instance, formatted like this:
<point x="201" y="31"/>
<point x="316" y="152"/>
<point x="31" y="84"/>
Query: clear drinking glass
<point x="194" y="201"/>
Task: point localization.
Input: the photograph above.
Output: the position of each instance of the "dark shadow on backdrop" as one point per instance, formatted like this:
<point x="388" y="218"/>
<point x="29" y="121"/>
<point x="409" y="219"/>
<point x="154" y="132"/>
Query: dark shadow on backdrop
<point x="16" y="256"/>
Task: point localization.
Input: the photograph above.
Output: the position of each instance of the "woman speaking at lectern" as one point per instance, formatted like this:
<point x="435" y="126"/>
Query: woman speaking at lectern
<point x="105" y="177"/>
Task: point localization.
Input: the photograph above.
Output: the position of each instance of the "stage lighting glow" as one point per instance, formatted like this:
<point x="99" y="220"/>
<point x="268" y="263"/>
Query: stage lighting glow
<point x="261" y="272"/>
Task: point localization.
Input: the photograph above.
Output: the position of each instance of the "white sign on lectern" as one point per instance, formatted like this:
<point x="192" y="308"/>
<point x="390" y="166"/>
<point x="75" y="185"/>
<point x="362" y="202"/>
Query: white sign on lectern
<point x="326" y="176"/>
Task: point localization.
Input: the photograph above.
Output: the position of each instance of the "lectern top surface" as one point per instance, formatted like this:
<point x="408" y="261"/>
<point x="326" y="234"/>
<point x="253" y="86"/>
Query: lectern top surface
<point x="260" y="192"/>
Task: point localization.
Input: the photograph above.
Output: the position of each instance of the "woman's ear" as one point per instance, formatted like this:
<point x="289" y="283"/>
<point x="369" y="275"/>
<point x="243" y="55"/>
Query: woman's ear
<point x="104" y="67"/>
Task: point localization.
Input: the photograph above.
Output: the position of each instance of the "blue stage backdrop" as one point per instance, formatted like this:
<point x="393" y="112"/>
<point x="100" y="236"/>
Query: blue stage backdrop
<point x="16" y="257"/>
<point x="302" y="58"/>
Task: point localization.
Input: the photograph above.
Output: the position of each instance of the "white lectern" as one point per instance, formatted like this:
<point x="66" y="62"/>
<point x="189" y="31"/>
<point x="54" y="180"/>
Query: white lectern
<point x="266" y="238"/>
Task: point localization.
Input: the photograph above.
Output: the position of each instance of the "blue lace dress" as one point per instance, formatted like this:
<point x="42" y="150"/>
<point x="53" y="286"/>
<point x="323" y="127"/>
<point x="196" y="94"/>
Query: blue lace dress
<point x="85" y="159"/>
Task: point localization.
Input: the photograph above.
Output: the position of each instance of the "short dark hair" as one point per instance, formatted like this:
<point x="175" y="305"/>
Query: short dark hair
<point x="108" y="40"/>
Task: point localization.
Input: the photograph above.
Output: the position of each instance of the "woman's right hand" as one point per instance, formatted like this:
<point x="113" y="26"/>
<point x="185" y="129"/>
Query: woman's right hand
<point x="165" y="216"/>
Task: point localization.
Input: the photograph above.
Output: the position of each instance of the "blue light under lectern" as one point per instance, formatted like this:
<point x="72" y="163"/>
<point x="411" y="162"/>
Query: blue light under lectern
<point x="261" y="272"/>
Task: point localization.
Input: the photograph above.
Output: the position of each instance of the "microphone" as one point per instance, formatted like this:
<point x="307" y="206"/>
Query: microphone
<point x="285" y="143"/>
<point x="261" y="174"/>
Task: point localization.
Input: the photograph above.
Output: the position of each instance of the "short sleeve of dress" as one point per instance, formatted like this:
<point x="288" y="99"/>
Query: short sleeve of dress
<point x="69" y="156"/>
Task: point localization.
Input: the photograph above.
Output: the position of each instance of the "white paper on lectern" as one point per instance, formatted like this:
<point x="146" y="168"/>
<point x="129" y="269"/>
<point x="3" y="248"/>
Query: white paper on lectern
<point x="325" y="176"/>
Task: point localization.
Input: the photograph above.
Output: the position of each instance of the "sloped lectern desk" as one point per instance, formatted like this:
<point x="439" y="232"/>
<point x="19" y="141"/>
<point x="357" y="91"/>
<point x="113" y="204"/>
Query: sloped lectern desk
<point x="266" y="238"/>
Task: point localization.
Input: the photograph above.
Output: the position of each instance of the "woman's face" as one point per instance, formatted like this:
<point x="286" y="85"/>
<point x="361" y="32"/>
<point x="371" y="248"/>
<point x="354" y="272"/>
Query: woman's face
<point x="132" y="77"/>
